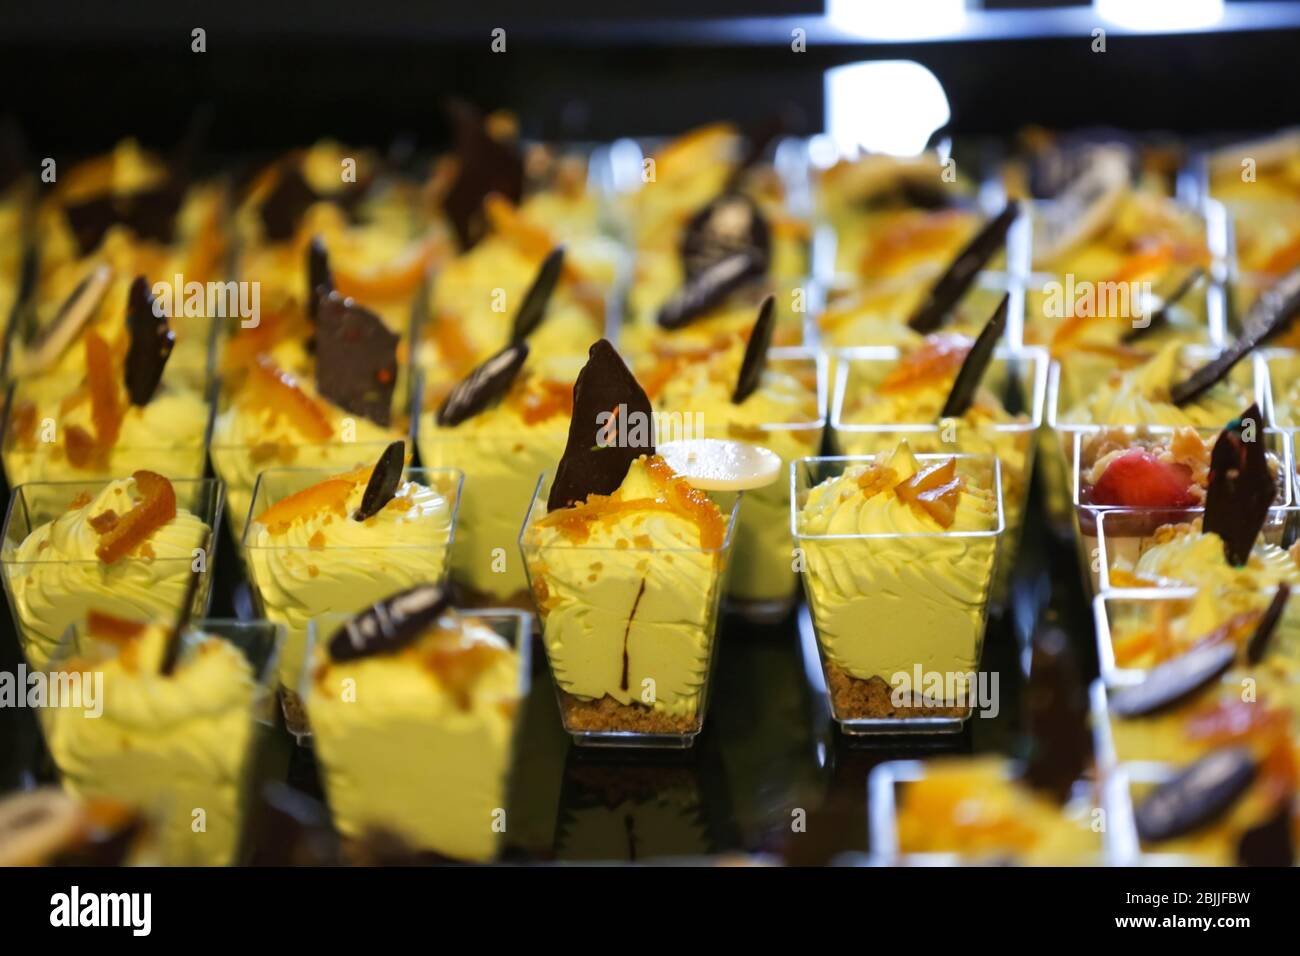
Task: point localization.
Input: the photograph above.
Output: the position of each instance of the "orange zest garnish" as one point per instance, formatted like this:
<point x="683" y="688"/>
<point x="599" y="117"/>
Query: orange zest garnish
<point x="105" y="404"/>
<point x="935" y="490"/>
<point x="392" y="280"/>
<point x="104" y="521"/>
<point x="103" y="624"/>
<point x="877" y="479"/>
<point x="1233" y="719"/>
<point x="332" y="494"/>
<point x="912" y="234"/>
<point x="286" y="320"/>
<point x="938" y="360"/>
<point x="692" y="502"/>
<point x="272" y="387"/>
<point x="544" y="400"/>
<point x="155" y="509"/>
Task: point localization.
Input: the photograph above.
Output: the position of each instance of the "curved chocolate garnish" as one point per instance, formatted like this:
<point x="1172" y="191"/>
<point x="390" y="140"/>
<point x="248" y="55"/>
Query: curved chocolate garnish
<point x="384" y="479"/>
<point x="290" y="198"/>
<point x="1173" y="681"/>
<point x="1160" y="317"/>
<point x="1196" y="796"/>
<point x="710" y="288"/>
<point x="1257" y="646"/>
<point x="1272" y="313"/>
<point x="976" y="363"/>
<point x="389" y="624"/>
<point x="152" y="341"/>
<point x="959" y="276"/>
<point x="483" y="166"/>
<point x="320" y="280"/>
<point x="483" y="387"/>
<point x="730" y="224"/>
<point x="1060" y="745"/>
<point x="760" y="339"/>
<point x="1269" y="843"/>
<point x="538" y="296"/>
<point x="53" y="338"/>
<point x="607" y="399"/>
<point x="1241" y="488"/>
<point x="356" y="359"/>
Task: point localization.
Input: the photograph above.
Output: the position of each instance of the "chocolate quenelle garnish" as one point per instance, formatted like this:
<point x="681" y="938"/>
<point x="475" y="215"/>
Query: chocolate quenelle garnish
<point x="1272" y="313"/>
<point x="152" y="341"/>
<point x="1173" y="681"/>
<point x="1257" y="645"/>
<point x="483" y="387"/>
<point x="390" y="624"/>
<point x="961" y="273"/>
<point x="756" y="349"/>
<point x="356" y="359"/>
<point x="709" y="289"/>
<point x="384" y="479"/>
<point x="1196" y="796"/>
<point x="591" y="466"/>
<point x="538" y="297"/>
<point x="1241" y="488"/>
<point x="976" y="363"/>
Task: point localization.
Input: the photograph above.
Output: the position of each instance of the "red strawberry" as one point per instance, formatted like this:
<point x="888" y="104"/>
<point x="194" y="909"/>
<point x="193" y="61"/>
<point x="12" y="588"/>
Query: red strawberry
<point x="1137" y="479"/>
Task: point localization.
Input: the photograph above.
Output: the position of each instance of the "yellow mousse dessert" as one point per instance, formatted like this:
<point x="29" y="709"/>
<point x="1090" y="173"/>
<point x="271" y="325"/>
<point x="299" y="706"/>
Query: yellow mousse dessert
<point x="694" y="394"/>
<point x="128" y="550"/>
<point x="133" y="410"/>
<point x="1182" y="555"/>
<point x="312" y="550"/>
<point x="173" y="738"/>
<point x="627" y="585"/>
<point x="415" y="738"/>
<point x="971" y="807"/>
<point x="899" y="556"/>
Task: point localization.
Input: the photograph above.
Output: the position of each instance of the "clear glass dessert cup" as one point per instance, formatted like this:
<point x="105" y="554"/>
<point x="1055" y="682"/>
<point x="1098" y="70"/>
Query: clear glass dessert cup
<point x="1019" y="377"/>
<point x="199" y="774"/>
<point x="134" y="587"/>
<point x="238" y="464"/>
<point x="501" y="469"/>
<point x="1122" y="792"/>
<point x="1070" y="381"/>
<point x="663" y="668"/>
<point x="1140" y="523"/>
<point x="1125" y="534"/>
<point x="856" y="586"/>
<point x="389" y="776"/>
<point x="33" y="448"/>
<point x="292" y="584"/>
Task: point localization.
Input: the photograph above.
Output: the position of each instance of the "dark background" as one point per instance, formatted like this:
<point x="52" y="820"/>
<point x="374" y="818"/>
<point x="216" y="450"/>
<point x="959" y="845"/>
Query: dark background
<point x="80" y="74"/>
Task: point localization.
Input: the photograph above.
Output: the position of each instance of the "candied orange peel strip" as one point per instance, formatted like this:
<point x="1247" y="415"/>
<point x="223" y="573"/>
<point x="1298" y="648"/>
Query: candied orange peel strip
<point x="272" y="387"/>
<point x="937" y="360"/>
<point x="935" y="490"/>
<point x="106" y="408"/>
<point x="103" y="624"/>
<point x="155" y="509"/>
<point x="331" y="494"/>
<point x="390" y="280"/>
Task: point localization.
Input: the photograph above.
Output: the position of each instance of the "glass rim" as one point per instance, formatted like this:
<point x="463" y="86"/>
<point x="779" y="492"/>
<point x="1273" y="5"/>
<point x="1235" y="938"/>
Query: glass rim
<point x="1036" y="356"/>
<point x="807" y="464"/>
<point x="727" y="538"/>
<point x="409" y="473"/>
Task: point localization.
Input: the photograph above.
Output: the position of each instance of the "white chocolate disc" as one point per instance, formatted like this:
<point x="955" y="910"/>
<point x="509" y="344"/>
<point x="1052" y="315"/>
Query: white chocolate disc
<point x="713" y="464"/>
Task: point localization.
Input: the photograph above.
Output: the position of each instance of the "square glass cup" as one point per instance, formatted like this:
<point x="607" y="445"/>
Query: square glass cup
<point x="1138" y="522"/>
<point x="390" y="777"/>
<point x="865" y="706"/>
<point x="885" y="785"/>
<point x="1127" y="533"/>
<point x="33" y="443"/>
<point x="292" y="584"/>
<point x="689" y="629"/>
<point x="1020" y="376"/>
<point x="209" y="759"/>
<point x="1122" y="793"/>
<point x="47" y="596"/>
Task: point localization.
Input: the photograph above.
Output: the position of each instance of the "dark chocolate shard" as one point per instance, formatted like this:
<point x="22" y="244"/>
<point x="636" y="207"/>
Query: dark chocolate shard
<point x="1272" y="313"/>
<point x="356" y="359"/>
<point x="483" y="166"/>
<point x="1196" y="796"/>
<point x="484" y="386"/>
<point x="961" y="273"/>
<point x="390" y="624"/>
<point x="1270" y="843"/>
<point x="729" y="225"/>
<point x="384" y="479"/>
<point x="152" y="341"/>
<point x="1241" y="487"/>
<point x="150" y="214"/>
<point x="612" y="426"/>
<point x="760" y="340"/>
<point x="709" y="289"/>
<point x="758" y="138"/>
<point x="1172" y="682"/>
<point x="320" y="280"/>
<point x="1160" y="317"/>
<point x="289" y="199"/>
<point x="976" y="363"/>
<point x="1060" y="744"/>
<point x="1257" y="645"/>
<point x="538" y="296"/>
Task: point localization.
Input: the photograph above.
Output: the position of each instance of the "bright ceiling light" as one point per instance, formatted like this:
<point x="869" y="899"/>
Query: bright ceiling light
<point x="897" y="19"/>
<point x="1155" y="16"/>
<point x="883" y="106"/>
